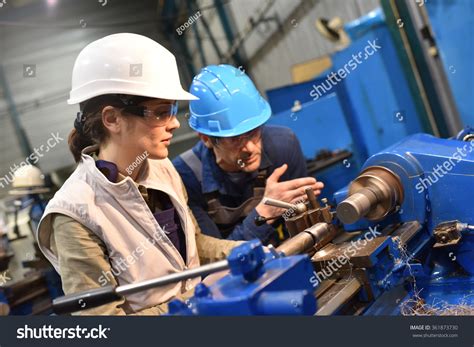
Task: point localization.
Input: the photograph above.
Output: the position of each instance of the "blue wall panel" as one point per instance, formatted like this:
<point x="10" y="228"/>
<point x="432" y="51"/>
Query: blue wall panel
<point x="453" y="26"/>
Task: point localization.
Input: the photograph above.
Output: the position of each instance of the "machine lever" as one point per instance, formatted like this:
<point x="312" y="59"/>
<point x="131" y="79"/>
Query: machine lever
<point x="100" y="296"/>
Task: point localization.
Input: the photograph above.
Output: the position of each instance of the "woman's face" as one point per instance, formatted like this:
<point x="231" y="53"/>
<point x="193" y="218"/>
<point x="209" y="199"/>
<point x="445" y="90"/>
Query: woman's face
<point x="148" y="134"/>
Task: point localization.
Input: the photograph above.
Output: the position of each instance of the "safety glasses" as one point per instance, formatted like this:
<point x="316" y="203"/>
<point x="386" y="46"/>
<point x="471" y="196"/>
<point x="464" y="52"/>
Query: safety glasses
<point x="158" y="115"/>
<point x="237" y="142"/>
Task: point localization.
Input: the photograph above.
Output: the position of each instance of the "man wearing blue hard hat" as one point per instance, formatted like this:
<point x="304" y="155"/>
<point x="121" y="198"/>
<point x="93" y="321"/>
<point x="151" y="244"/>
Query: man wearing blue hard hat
<point x="239" y="160"/>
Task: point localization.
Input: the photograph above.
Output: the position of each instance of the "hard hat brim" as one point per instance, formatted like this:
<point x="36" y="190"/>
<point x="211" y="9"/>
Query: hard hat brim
<point x="83" y="93"/>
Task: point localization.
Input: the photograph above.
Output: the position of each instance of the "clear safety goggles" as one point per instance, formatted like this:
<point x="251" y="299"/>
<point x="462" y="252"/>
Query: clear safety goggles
<point x="237" y="142"/>
<point x="159" y="115"/>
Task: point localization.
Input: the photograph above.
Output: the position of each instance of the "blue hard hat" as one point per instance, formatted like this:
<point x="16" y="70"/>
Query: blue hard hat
<point x="228" y="105"/>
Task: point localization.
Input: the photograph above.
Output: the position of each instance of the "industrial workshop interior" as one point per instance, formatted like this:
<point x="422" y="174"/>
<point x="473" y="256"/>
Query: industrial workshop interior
<point x="259" y="172"/>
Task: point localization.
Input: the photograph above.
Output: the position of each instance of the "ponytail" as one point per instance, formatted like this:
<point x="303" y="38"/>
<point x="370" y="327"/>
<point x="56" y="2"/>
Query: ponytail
<point x="88" y="126"/>
<point x="77" y="142"/>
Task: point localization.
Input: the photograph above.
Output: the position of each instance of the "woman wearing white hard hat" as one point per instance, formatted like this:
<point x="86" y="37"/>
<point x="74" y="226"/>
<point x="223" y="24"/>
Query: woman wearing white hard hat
<point x="122" y="216"/>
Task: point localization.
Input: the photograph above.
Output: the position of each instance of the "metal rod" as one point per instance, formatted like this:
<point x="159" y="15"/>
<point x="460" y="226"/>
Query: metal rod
<point x="300" y="243"/>
<point x="173" y="278"/>
<point x="357" y="206"/>
<point x="278" y="203"/>
<point x="99" y="296"/>
<point x="312" y="198"/>
<point x="247" y="30"/>
<point x="444" y="99"/>
<point x="314" y="237"/>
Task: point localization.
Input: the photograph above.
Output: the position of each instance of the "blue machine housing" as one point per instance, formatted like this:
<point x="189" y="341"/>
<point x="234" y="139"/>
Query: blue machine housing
<point x="263" y="284"/>
<point x="259" y="284"/>
<point x="436" y="175"/>
<point x="430" y="196"/>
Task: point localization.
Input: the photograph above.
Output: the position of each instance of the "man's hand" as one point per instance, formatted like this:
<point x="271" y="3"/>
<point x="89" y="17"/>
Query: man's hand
<point x="288" y="191"/>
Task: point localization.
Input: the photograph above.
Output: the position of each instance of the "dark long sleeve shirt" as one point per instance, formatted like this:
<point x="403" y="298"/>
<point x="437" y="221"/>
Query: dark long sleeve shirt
<point x="280" y="146"/>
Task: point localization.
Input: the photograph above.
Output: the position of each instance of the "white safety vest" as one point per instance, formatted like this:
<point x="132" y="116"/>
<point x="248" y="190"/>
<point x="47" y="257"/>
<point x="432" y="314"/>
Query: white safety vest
<point x="119" y="216"/>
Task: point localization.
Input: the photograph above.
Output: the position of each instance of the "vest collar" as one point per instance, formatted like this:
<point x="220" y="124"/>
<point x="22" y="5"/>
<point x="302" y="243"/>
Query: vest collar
<point x="88" y="159"/>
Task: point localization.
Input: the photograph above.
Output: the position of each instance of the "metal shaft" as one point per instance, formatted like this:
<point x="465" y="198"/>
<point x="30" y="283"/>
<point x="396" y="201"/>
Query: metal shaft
<point x="103" y="295"/>
<point x="312" y="198"/>
<point x="376" y="192"/>
<point x="278" y="203"/>
<point x="357" y="206"/>
<point x="173" y="278"/>
<point x="317" y="236"/>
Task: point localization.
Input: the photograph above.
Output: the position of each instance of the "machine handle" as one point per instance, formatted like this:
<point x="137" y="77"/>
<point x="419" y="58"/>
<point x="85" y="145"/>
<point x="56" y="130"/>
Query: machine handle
<point x="85" y="300"/>
<point x="100" y="296"/>
<point x="278" y="203"/>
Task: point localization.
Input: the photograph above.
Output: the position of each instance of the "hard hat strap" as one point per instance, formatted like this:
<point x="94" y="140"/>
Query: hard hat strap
<point x="79" y="122"/>
<point x="116" y="100"/>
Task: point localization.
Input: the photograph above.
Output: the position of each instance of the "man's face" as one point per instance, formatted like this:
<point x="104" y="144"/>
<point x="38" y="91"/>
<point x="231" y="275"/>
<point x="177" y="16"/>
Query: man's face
<point x="238" y="153"/>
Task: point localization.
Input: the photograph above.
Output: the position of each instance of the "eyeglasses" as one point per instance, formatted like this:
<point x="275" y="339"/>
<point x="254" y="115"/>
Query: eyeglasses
<point x="237" y="142"/>
<point x="159" y="115"/>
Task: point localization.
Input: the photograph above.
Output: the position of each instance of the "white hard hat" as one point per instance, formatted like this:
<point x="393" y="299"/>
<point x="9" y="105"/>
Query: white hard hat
<point x="28" y="179"/>
<point x="126" y="64"/>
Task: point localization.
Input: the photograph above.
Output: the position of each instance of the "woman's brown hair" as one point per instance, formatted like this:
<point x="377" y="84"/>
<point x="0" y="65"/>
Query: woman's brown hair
<point x="88" y="126"/>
